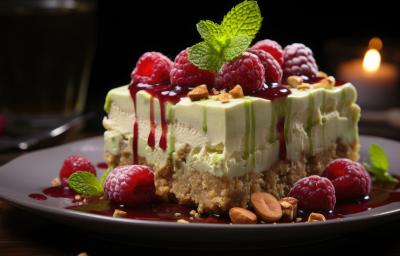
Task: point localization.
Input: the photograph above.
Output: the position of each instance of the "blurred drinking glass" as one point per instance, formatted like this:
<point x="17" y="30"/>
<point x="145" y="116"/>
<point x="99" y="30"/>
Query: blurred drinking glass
<point x="46" y="51"/>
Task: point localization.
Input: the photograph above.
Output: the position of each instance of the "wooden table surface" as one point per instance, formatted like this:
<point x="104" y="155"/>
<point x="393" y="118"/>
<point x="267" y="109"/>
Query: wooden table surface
<point x="24" y="233"/>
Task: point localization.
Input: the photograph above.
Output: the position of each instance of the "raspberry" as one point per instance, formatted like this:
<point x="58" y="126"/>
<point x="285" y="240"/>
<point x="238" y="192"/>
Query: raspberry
<point x="273" y="71"/>
<point x="74" y="164"/>
<point x="299" y="61"/>
<point x="350" y="179"/>
<point x="270" y="47"/>
<point x="184" y="73"/>
<point x="246" y="70"/>
<point x="314" y="193"/>
<point x="152" y="68"/>
<point x="130" y="185"/>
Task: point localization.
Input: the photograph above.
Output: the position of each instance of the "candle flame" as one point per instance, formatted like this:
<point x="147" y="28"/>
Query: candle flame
<point x="372" y="60"/>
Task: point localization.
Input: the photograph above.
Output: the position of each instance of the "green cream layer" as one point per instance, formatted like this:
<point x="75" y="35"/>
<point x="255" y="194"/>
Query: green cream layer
<point x="231" y="139"/>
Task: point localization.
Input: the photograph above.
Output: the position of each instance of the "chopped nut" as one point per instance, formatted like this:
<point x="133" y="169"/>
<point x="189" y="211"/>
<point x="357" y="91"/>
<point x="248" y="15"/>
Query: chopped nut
<point x="327" y="83"/>
<point x="304" y="86"/>
<point x="294" y="81"/>
<point x="83" y="254"/>
<point x="237" y="92"/>
<point x="198" y="93"/>
<point x="240" y="215"/>
<point x="316" y="217"/>
<point x="322" y="74"/>
<point x="266" y="206"/>
<point x="177" y="214"/>
<point x="56" y="182"/>
<point x="289" y="208"/>
<point x="182" y="221"/>
<point x="298" y="219"/>
<point x="224" y="97"/>
<point x="119" y="213"/>
<point x="192" y="212"/>
<point x="78" y="197"/>
<point x="214" y="91"/>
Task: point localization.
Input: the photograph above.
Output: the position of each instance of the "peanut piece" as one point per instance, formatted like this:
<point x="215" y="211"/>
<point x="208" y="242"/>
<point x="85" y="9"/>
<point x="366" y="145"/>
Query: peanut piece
<point x="237" y="92"/>
<point x="240" y="215"/>
<point x="313" y="217"/>
<point x="303" y="86"/>
<point x="266" y="206"/>
<point x="198" y="93"/>
<point x="223" y="97"/>
<point x="182" y="221"/>
<point x="327" y="83"/>
<point x="56" y="182"/>
<point x="294" y="81"/>
<point x="289" y="208"/>
<point x="119" y="214"/>
<point x="322" y="74"/>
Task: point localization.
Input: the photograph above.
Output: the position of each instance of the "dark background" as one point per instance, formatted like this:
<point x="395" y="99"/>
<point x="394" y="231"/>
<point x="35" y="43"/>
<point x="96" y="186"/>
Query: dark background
<point x="127" y="29"/>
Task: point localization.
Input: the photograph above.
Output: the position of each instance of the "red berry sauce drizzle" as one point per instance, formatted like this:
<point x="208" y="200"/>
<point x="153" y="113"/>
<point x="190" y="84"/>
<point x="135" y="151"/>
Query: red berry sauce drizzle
<point x="160" y="211"/>
<point x="164" y="93"/>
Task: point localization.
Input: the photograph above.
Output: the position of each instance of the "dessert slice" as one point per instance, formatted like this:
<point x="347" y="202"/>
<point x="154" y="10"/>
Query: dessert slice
<point x="224" y="123"/>
<point x="214" y="153"/>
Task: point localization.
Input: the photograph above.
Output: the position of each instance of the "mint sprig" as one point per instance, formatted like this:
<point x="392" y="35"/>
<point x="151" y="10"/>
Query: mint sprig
<point x="224" y="42"/>
<point x="379" y="165"/>
<point x="86" y="183"/>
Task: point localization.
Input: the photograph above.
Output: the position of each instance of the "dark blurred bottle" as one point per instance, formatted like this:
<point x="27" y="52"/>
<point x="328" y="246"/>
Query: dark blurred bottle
<point x="46" y="51"/>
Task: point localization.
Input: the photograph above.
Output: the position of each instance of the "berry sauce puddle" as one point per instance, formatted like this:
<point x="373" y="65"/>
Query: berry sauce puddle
<point x="159" y="211"/>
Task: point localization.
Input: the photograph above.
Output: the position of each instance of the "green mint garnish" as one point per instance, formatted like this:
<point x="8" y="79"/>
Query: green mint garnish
<point x="105" y="174"/>
<point x="379" y="165"/>
<point x="226" y="41"/>
<point x="85" y="183"/>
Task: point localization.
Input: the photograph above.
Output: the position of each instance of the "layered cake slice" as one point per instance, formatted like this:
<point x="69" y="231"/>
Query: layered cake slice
<point x="214" y="132"/>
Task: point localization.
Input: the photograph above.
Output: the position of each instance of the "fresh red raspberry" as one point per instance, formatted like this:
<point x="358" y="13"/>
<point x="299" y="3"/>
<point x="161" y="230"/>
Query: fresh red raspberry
<point x="298" y="61"/>
<point x="270" y="47"/>
<point x="273" y="71"/>
<point x="314" y="193"/>
<point x="74" y="164"/>
<point x="350" y="179"/>
<point x="184" y="73"/>
<point x="130" y="185"/>
<point x="246" y="70"/>
<point x="152" y="68"/>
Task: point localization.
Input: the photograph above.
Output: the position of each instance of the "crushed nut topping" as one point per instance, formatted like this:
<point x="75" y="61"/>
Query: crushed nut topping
<point x="198" y="93"/>
<point x="316" y="217"/>
<point x="327" y="83"/>
<point x="304" y="87"/>
<point x="182" y="221"/>
<point x="224" y="97"/>
<point x="119" y="214"/>
<point x="56" y="182"/>
<point x="237" y="92"/>
<point x="289" y="208"/>
<point x="294" y="81"/>
<point x="322" y="74"/>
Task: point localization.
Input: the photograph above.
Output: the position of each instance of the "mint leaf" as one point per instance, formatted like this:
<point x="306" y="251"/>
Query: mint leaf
<point x="105" y="174"/>
<point x="236" y="46"/>
<point x="212" y="33"/>
<point x="378" y="157"/>
<point x="85" y="183"/>
<point x="226" y="41"/>
<point x="244" y="19"/>
<point x="205" y="57"/>
<point x="379" y="166"/>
